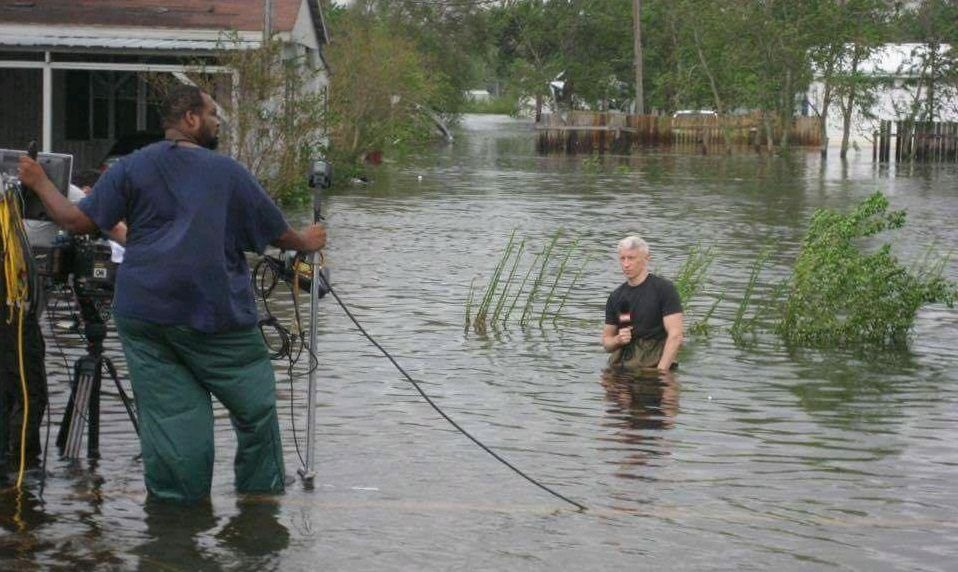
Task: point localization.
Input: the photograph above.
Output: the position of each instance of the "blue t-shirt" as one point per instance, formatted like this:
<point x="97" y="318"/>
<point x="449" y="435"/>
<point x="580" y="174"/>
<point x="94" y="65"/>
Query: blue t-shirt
<point x="190" y="213"/>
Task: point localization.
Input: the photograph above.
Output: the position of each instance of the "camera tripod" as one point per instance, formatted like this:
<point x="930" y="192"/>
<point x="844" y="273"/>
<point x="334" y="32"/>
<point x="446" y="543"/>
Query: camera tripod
<point x="84" y="402"/>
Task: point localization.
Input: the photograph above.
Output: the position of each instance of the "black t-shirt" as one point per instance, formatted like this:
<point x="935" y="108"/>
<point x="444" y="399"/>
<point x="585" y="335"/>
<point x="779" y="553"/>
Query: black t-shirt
<point x="647" y="304"/>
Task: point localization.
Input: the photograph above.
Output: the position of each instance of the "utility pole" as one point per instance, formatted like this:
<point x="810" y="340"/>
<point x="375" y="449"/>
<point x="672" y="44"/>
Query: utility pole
<point x="637" y="40"/>
<point x="267" y="20"/>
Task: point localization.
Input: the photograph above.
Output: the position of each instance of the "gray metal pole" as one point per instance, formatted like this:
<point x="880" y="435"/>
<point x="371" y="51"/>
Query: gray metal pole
<point x="308" y="472"/>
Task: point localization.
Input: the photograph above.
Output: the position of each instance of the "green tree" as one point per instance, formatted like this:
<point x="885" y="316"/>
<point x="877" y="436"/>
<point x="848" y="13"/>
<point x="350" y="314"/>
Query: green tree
<point x="381" y="85"/>
<point x="933" y="24"/>
<point x="840" y="295"/>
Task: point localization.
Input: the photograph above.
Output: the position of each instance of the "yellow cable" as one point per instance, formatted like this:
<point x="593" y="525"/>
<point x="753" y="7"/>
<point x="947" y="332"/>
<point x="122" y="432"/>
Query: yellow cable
<point x="26" y="402"/>
<point x="17" y="288"/>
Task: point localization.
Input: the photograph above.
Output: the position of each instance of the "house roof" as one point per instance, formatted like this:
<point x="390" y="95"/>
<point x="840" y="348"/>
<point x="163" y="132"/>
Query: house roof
<point x="104" y="17"/>
<point x="77" y="40"/>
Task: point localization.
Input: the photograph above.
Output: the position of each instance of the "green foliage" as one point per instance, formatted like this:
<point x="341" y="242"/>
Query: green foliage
<point x="275" y="113"/>
<point x="501" y="296"/>
<point x="498" y="106"/>
<point x="592" y="163"/>
<point x="840" y="295"/>
<point x="691" y="275"/>
<point x="689" y="281"/>
<point x="382" y="86"/>
<point x="741" y="326"/>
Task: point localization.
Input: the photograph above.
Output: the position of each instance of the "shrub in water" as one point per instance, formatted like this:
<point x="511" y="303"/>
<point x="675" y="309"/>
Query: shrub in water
<point x="839" y="295"/>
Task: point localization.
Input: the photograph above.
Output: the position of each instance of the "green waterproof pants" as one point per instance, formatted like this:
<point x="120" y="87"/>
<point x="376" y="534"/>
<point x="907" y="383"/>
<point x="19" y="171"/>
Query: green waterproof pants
<point x="174" y="371"/>
<point x="643" y="353"/>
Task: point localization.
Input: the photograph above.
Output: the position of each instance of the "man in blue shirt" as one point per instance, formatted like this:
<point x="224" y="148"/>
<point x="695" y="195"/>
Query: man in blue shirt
<point x="184" y="304"/>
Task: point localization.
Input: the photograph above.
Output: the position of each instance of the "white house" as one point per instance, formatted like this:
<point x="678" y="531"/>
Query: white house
<point x="899" y="65"/>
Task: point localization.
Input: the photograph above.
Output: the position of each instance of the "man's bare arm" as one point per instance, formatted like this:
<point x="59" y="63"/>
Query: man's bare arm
<point x="673" y="327"/>
<point x="60" y="209"/>
<point x="614" y="337"/>
<point x="310" y="239"/>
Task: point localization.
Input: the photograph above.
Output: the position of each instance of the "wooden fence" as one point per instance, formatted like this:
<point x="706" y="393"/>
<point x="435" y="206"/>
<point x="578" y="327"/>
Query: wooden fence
<point x="591" y="132"/>
<point x="925" y="141"/>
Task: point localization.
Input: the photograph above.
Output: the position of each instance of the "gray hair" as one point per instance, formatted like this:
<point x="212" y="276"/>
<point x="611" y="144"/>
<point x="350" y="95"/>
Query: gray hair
<point x="633" y="242"/>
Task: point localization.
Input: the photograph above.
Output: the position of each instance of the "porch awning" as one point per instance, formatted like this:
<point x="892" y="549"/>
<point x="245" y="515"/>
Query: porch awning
<point x="122" y="44"/>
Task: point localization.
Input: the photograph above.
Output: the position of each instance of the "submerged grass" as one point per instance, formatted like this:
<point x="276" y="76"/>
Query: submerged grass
<point x="688" y="282"/>
<point x="555" y="283"/>
<point x="502" y="297"/>
<point x="692" y="273"/>
<point x="530" y="300"/>
<point x="741" y="326"/>
<point x="568" y="291"/>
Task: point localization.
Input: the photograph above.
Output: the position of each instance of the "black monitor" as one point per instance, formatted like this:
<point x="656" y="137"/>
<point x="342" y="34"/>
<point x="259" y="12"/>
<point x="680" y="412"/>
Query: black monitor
<point x="57" y="166"/>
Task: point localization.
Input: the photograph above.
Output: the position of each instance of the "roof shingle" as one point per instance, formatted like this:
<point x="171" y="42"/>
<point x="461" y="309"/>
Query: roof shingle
<point x="240" y="15"/>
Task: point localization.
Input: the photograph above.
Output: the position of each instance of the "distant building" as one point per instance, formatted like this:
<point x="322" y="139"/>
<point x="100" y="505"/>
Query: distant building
<point x="478" y="95"/>
<point x="73" y="74"/>
<point x="898" y="66"/>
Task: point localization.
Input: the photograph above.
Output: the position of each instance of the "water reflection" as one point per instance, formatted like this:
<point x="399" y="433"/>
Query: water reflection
<point x="255" y="530"/>
<point x="194" y="538"/>
<point x="781" y="460"/>
<point x="642" y="404"/>
<point x="861" y="392"/>
<point x="26" y="514"/>
<point x="172" y="536"/>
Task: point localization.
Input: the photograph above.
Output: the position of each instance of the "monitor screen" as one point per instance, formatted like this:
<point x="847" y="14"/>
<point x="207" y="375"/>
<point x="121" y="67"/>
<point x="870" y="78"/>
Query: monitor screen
<point x="56" y="165"/>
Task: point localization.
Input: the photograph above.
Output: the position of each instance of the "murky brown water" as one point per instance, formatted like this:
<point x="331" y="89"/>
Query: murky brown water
<point x="754" y="457"/>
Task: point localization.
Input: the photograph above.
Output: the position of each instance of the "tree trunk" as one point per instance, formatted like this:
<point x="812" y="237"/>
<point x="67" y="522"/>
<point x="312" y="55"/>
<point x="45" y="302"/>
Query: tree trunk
<point x="848" y="105"/>
<point x="769" y="135"/>
<point x="826" y="102"/>
<point x="787" y="110"/>
<point x="673" y="94"/>
<point x="932" y="77"/>
<point x="719" y="107"/>
<point x="637" y="46"/>
<point x="823" y="115"/>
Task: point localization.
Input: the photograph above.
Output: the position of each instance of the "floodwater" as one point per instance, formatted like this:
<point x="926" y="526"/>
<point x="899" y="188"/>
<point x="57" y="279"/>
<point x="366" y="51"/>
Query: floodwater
<point x="751" y="457"/>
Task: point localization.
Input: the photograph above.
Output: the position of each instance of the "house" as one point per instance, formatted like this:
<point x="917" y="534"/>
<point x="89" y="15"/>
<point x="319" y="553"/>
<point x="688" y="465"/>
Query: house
<point x="74" y="73"/>
<point x="897" y="68"/>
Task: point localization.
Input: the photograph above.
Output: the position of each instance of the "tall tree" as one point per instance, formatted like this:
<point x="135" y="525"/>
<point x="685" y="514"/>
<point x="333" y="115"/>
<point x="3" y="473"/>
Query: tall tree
<point x="637" y="43"/>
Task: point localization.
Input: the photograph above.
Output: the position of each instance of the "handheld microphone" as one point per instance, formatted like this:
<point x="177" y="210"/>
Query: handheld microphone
<point x="625" y="314"/>
<point x="625" y="321"/>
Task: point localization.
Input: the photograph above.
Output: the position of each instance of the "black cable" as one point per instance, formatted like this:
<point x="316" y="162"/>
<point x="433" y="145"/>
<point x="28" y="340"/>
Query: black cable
<point x="436" y="407"/>
<point x="58" y="293"/>
<point x="265" y="280"/>
<point x="46" y="439"/>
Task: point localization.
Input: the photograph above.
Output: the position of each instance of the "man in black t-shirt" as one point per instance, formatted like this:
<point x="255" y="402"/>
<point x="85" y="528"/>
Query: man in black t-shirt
<point x="643" y="316"/>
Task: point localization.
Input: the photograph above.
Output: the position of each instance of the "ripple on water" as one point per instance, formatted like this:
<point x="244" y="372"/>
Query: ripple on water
<point x="752" y="456"/>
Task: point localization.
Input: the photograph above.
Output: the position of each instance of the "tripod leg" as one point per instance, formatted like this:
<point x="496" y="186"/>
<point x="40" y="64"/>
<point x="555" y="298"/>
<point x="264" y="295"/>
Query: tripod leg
<point x="68" y="413"/>
<point x="127" y="402"/>
<point x="93" y="420"/>
<point x="83" y="386"/>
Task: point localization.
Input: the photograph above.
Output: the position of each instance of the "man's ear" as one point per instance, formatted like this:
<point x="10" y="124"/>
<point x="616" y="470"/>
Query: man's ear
<point x="190" y="118"/>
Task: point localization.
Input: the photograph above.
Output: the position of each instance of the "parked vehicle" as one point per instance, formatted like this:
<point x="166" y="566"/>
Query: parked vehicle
<point x="693" y="114"/>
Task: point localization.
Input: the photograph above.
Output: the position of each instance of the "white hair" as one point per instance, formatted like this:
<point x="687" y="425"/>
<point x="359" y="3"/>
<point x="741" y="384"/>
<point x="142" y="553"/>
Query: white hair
<point x="633" y="242"/>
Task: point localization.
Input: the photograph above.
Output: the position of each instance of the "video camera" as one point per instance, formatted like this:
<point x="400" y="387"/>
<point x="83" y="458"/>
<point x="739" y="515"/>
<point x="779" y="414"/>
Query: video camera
<point x="88" y="259"/>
